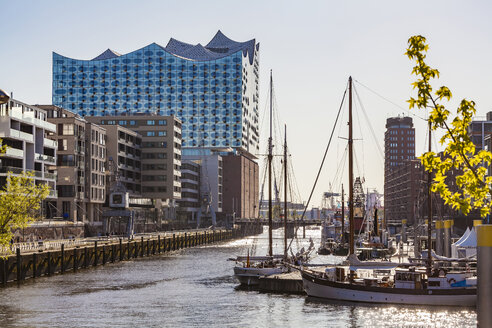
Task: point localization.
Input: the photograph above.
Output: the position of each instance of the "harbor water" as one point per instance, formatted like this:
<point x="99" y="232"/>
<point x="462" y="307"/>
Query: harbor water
<point x="195" y="288"/>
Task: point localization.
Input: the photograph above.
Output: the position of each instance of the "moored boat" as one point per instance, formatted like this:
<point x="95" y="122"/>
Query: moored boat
<point x="409" y="286"/>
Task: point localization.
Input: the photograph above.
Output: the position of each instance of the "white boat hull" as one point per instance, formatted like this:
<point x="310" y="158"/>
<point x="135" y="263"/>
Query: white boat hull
<point x="250" y="276"/>
<point x="322" y="288"/>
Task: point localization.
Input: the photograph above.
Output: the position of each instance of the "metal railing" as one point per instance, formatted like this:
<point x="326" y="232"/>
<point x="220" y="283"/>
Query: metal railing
<point x="37" y="246"/>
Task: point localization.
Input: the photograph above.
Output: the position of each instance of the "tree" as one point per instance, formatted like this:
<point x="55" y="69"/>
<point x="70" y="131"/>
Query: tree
<point x="473" y="184"/>
<point x="20" y="201"/>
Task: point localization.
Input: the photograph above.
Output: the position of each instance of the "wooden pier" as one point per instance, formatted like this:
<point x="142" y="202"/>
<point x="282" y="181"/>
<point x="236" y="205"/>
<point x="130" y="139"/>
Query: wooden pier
<point x="290" y="283"/>
<point x="21" y="266"/>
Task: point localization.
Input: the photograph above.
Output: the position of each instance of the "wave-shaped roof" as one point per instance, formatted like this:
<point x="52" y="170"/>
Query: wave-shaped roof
<point x="220" y="46"/>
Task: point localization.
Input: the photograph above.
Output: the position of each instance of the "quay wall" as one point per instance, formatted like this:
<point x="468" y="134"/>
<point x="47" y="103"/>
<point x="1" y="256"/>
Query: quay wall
<point x="22" y="266"/>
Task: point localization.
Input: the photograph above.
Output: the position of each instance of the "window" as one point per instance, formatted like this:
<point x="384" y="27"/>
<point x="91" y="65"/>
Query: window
<point x="150" y="134"/>
<point x="67" y="130"/>
<point x="132" y="122"/>
<point x="162" y="122"/>
<point x="62" y="144"/>
<point x="122" y="122"/>
<point x="65" y="160"/>
<point x="162" y="133"/>
<point x="150" y="122"/>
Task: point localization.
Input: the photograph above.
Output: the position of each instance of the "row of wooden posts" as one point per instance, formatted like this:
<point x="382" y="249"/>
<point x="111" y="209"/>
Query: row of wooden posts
<point x="19" y="267"/>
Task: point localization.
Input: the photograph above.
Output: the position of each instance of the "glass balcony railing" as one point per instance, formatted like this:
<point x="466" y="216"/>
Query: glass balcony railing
<point x="50" y="175"/>
<point x="18" y="171"/>
<point x="14" y="170"/>
<point x="46" y="158"/>
<point x="53" y="194"/>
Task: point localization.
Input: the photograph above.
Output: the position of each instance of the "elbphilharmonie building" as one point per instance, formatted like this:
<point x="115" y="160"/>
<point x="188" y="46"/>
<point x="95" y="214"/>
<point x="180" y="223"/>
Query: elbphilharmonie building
<point x="212" y="89"/>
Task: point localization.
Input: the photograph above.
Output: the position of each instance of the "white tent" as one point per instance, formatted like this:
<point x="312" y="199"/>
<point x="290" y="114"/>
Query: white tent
<point x="454" y="246"/>
<point x="466" y="247"/>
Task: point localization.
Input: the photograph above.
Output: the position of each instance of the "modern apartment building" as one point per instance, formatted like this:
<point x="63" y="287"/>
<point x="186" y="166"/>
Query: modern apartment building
<point x="80" y="165"/>
<point x="190" y="203"/>
<point x="124" y="150"/>
<point x="212" y="89"/>
<point x="95" y="170"/>
<point x="159" y="152"/>
<point x="211" y="177"/>
<point x="400" y="180"/>
<point x="24" y="129"/>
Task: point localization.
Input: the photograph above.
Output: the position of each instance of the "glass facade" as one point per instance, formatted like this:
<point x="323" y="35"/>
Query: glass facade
<point x="213" y="90"/>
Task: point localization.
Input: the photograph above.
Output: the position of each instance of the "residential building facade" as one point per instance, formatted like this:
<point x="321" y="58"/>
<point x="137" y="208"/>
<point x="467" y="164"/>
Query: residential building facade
<point x="211" y="177"/>
<point x="479" y="129"/>
<point x="25" y="129"/>
<point x="159" y="154"/>
<point x="190" y="203"/>
<point x="80" y="165"/>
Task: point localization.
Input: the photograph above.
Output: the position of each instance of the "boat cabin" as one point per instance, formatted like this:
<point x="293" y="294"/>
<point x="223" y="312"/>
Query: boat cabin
<point x="409" y="278"/>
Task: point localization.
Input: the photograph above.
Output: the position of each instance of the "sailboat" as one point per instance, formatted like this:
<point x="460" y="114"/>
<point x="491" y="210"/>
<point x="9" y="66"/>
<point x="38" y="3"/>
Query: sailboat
<point x="385" y="282"/>
<point x="251" y="268"/>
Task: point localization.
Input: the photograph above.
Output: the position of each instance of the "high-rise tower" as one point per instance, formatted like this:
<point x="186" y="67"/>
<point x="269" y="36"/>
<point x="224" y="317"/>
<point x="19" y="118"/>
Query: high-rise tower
<point x="401" y="170"/>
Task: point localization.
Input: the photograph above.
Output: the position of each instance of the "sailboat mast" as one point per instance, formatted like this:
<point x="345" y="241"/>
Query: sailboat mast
<point x="285" y="194"/>
<point x="351" y="175"/>
<point x="343" y="217"/>
<point x="270" y="158"/>
<point x="429" y="203"/>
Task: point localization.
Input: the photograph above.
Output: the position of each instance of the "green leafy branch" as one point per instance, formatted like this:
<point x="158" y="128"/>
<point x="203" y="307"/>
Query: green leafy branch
<point x="460" y="153"/>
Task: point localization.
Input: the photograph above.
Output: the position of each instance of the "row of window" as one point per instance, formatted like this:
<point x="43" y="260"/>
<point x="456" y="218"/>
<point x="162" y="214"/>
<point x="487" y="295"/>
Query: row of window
<point x="402" y="131"/>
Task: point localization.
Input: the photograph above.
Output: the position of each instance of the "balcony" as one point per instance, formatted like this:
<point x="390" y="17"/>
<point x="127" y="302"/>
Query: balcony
<point x="16" y="112"/>
<point x="51" y="176"/>
<point x="45" y="158"/>
<point x="14" y="152"/>
<point x="50" y="143"/>
<point x="19" y="171"/>
<point x="53" y="194"/>
<point x="13" y="133"/>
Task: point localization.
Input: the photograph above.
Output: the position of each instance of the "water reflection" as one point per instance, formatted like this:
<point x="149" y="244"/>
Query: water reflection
<point x="195" y="288"/>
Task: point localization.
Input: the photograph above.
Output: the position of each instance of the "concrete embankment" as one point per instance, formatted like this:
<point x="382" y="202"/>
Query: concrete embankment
<point x="21" y="266"/>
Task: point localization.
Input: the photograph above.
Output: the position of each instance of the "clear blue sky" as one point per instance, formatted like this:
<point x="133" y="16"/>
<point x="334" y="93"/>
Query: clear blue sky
<point x="312" y="47"/>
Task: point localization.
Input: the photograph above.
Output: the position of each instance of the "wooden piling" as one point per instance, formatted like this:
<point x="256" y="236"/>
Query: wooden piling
<point x="96" y="258"/>
<point x="62" y="259"/>
<point x="121" y="250"/>
<point x="19" y="265"/>
<point x="86" y="262"/>
<point x="75" y="259"/>
<point x="48" y="255"/>
<point x="34" y="265"/>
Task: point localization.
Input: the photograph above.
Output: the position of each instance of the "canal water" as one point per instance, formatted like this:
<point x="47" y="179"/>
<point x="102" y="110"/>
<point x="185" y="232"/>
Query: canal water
<point x="195" y="288"/>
